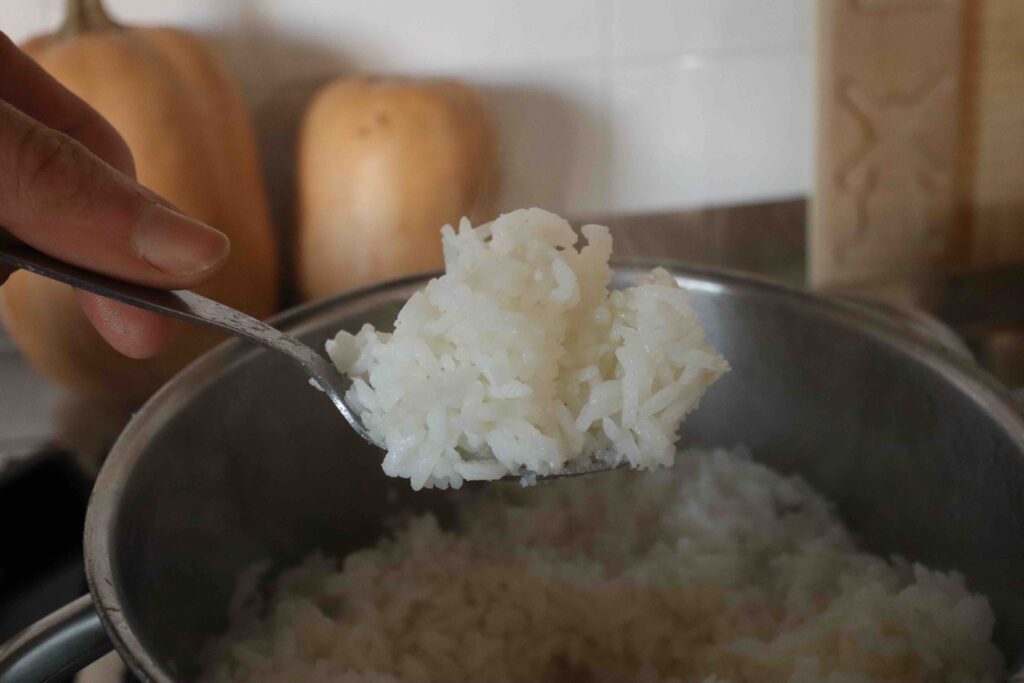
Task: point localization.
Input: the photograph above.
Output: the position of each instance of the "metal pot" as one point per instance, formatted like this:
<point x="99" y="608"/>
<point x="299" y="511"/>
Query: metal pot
<point x="238" y="459"/>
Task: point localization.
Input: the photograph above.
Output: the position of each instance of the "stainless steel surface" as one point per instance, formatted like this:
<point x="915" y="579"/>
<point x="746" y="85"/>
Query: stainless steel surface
<point x="916" y="323"/>
<point x="193" y="308"/>
<point x="922" y="454"/>
<point x="56" y="646"/>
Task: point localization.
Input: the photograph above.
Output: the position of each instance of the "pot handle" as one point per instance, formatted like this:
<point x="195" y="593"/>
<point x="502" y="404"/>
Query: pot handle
<point x="56" y="646"/>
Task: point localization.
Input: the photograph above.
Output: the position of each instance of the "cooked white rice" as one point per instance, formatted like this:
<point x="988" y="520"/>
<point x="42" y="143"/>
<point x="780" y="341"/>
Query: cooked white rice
<point x="519" y="359"/>
<point x="716" y="570"/>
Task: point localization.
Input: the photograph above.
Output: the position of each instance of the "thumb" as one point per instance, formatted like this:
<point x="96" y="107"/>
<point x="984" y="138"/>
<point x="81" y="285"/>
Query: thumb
<point x="60" y="198"/>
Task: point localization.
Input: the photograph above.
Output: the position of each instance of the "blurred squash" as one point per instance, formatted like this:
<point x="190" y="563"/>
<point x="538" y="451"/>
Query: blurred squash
<point x="382" y="165"/>
<point x="184" y="120"/>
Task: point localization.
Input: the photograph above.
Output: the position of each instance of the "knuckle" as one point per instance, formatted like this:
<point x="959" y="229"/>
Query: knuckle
<point x="102" y="139"/>
<point x="50" y="170"/>
<point x="121" y="156"/>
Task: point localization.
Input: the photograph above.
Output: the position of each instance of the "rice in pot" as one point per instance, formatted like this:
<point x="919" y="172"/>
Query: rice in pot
<point x="716" y="570"/>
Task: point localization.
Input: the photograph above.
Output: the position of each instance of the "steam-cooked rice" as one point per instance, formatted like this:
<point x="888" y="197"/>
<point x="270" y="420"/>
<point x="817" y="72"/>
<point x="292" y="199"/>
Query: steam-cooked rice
<point x="716" y="570"/>
<point x="519" y="359"/>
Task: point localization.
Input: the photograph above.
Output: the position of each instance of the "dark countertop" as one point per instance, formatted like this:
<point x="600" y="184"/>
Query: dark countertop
<point x="766" y="238"/>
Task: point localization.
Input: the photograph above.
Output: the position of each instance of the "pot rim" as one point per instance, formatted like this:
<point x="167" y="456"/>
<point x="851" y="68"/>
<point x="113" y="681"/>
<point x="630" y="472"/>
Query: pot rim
<point x="129" y="446"/>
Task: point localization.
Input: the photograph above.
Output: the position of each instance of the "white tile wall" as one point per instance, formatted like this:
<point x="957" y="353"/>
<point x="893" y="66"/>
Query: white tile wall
<point x="703" y="130"/>
<point x="445" y="36"/>
<point x="668" y="28"/>
<point x="555" y="144"/>
<point x="603" y="105"/>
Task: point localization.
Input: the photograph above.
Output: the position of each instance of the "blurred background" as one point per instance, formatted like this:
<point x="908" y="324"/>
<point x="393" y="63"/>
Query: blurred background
<point x="602" y="106"/>
<point x="871" y="149"/>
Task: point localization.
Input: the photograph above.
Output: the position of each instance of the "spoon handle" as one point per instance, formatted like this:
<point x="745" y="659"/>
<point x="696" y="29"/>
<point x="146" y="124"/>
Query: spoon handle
<point x="181" y="304"/>
<point x="189" y="306"/>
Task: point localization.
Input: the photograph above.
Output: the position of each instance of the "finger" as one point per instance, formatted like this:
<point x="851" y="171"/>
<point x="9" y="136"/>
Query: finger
<point x="28" y="87"/>
<point x="132" y="331"/>
<point x="63" y="200"/>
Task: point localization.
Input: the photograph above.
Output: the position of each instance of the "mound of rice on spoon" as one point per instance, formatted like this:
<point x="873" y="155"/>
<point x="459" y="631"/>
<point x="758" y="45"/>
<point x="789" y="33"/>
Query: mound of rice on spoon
<point x="520" y="361"/>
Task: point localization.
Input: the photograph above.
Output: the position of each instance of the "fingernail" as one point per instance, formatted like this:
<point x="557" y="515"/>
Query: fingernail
<point x="176" y="244"/>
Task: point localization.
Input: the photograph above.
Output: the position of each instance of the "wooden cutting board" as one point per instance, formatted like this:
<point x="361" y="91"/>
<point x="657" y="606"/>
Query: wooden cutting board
<point x="920" y="146"/>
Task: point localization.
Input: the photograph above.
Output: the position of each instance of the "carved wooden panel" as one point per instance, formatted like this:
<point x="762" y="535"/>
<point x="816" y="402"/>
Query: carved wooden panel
<point x="889" y="113"/>
<point x="920" y="138"/>
<point x="994" y="143"/>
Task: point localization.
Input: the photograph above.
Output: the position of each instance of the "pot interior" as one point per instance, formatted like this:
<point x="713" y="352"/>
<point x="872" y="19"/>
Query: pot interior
<point x="239" y="460"/>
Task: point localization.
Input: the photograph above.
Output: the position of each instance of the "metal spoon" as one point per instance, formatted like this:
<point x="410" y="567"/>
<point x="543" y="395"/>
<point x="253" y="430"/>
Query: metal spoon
<point x="192" y="307"/>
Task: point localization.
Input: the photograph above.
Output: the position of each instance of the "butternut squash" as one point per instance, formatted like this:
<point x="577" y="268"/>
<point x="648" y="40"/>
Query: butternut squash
<point x="382" y="165"/>
<point x="184" y="120"/>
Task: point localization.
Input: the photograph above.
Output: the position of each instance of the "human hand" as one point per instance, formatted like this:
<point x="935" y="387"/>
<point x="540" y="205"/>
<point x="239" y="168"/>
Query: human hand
<point x="67" y="188"/>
